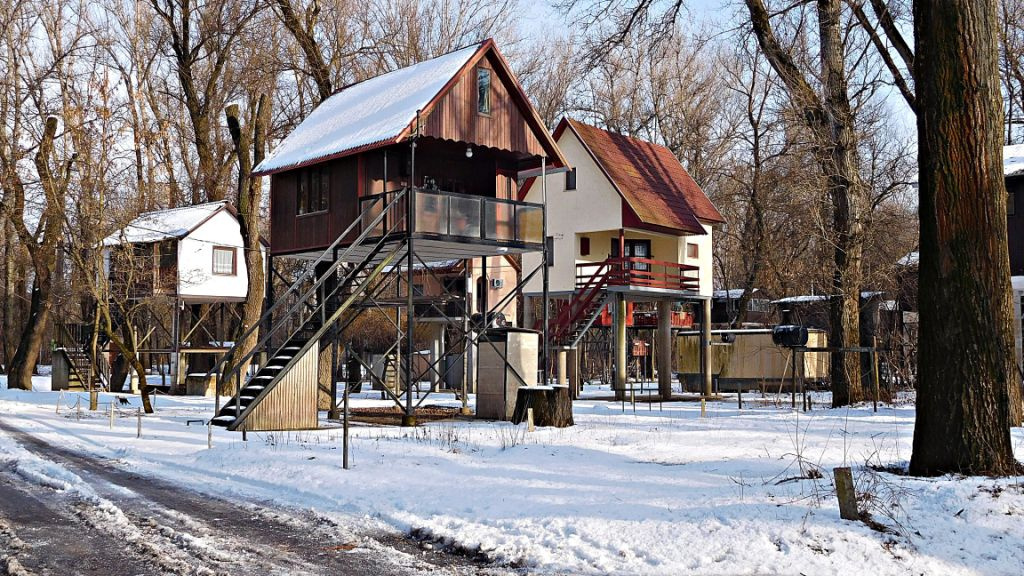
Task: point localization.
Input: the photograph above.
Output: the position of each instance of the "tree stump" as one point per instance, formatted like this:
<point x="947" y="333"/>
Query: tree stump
<point x="552" y="405"/>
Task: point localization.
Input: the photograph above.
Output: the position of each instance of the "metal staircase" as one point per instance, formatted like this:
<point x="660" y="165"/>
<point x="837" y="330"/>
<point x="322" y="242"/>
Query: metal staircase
<point x="576" y="317"/>
<point x="73" y="343"/>
<point x="307" y="312"/>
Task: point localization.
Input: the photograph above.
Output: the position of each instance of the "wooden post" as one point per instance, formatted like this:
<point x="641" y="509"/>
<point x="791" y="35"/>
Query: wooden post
<point x="529" y="420"/>
<point x="874" y="368"/>
<point x="799" y="370"/>
<point x="664" y="342"/>
<point x="562" y="370"/>
<point x="94" y="400"/>
<point x="705" y="346"/>
<point x="846" y="494"/>
<point x="344" y="428"/>
<point x="209" y="434"/>
<point x="111" y="414"/>
<point x="138" y="431"/>
<point x="620" y="347"/>
<point x="792" y="391"/>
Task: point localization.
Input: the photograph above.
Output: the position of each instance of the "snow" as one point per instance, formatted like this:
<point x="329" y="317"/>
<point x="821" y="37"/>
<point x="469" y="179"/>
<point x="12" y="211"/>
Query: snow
<point x="911" y="259"/>
<point x="801" y="299"/>
<point x="366" y="113"/>
<point x="660" y="490"/>
<point x="731" y="294"/>
<point x="167" y="224"/>
<point x="1013" y="160"/>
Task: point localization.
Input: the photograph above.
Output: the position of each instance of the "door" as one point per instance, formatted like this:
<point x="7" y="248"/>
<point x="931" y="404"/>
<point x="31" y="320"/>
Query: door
<point x="634" y="249"/>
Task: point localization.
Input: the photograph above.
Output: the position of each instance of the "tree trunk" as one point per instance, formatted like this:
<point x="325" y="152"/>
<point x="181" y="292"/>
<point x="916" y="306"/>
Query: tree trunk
<point x="250" y="192"/>
<point x="24" y="362"/>
<point x="831" y="121"/>
<point x="966" y="348"/>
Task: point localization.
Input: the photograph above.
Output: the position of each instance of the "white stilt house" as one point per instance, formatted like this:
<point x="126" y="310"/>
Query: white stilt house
<point x="627" y="225"/>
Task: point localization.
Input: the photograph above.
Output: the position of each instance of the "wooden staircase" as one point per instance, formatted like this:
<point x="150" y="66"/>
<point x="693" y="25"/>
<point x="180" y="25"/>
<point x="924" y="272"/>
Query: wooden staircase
<point x="578" y="315"/>
<point x="308" y="312"/>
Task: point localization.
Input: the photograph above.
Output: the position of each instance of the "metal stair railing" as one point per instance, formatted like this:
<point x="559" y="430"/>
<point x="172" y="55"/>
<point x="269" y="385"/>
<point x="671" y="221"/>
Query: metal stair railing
<point x="73" y="342"/>
<point x="302" y="301"/>
<point x="353" y="293"/>
<point x="586" y="291"/>
<point x="294" y="291"/>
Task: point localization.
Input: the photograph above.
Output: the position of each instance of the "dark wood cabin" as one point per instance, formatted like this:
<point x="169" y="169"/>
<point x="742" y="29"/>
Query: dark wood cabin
<point x="474" y="138"/>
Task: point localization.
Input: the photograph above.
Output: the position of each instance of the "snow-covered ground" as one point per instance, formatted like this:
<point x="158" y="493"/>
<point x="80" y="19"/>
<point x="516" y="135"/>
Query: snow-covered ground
<point x="659" y="491"/>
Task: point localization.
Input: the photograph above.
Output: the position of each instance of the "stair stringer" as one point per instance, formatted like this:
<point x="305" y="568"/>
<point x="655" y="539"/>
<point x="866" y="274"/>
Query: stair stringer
<point x="292" y="403"/>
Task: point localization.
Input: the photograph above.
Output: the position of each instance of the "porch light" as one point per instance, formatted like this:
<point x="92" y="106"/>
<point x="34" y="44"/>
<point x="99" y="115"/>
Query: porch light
<point x="469" y="151"/>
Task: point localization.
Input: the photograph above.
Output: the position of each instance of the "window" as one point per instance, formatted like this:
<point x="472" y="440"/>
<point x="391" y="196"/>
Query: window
<point x="1011" y="203"/>
<point x="692" y="250"/>
<point x="570" y="179"/>
<point x="483" y="90"/>
<point x="551" y="251"/>
<point x="224" y="263"/>
<point x="584" y="246"/>
<point x="313" y="189"/>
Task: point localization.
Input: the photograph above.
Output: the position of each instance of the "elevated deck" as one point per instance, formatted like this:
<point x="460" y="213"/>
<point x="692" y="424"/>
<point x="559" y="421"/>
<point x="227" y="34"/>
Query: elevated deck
<point x="449" y="226"/>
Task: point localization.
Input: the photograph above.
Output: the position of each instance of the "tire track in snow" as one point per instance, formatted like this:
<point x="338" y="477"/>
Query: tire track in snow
<point x="190" y="533"/>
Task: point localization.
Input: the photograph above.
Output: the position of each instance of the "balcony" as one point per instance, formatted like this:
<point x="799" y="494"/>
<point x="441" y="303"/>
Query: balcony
<point x="638" y="274"/>
<point x="461" y="218"/>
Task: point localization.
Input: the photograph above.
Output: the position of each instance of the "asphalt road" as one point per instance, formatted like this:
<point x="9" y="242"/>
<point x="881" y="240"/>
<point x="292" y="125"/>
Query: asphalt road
<point x="128" y="524"/>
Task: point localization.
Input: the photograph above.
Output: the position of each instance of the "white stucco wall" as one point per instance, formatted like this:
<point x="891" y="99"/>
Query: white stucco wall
<point x="594" y="210"/>
<point x="593" y="205"/>
<point x="195" y="261"/>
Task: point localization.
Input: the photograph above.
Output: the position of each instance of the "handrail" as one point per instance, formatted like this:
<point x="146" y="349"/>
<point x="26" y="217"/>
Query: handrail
<point x="295" y="287"/>
<point x="457" y="195"/>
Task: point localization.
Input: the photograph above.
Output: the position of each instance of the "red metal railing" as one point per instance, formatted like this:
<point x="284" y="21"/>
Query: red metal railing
<point x="643" y="273"/>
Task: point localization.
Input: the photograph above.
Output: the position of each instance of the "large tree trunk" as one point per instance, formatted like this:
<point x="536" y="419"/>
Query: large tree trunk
<point x="966" y="353"/>
<point x="24" y="362"/>
<point x="42" y="248"/>
<point x="250" y="192"/>
<point x="831" y="121"/>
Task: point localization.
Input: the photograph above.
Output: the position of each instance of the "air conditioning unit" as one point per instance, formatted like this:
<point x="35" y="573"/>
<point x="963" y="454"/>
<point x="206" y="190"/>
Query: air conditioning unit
<point x="497" y="283"/>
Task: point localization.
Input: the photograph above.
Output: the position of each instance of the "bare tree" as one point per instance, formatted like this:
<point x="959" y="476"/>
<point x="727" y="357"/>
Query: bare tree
<point x="966" y="345"/>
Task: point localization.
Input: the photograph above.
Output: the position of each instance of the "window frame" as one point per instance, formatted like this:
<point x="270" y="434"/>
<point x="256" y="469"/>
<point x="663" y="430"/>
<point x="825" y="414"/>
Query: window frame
<point x="696" y="250"/>
<point x="484" y="105"/>
<point x="234" y="260"/>
<point x="313" y="186"/>
<point x="570" y="179"/>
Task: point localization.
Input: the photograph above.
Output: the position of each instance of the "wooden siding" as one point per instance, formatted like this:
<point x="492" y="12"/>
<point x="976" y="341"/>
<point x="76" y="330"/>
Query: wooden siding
<point x="292" y="403"/>
<point x="455" y="116"/>
<point x="1015" y="225"/>
<point x="290" y="232"/>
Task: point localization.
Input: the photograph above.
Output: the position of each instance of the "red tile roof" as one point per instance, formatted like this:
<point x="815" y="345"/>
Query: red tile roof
<point x="649" y="177"/>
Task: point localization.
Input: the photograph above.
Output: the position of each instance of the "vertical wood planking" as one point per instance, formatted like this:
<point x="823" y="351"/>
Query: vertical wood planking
<point x="292" y="403"/>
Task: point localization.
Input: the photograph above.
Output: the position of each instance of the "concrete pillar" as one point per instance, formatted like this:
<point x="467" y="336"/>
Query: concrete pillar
<point x="620" y="347"/>
<point x="705" y="347"/>
<point x="562" y="357"/>
<point x="665" y="349"/>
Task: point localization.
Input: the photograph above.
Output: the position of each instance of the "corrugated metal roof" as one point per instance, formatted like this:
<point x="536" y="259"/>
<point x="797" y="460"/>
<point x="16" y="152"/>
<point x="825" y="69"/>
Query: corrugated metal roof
<point x="373" y="111"/>
<point x="651" y="180"/>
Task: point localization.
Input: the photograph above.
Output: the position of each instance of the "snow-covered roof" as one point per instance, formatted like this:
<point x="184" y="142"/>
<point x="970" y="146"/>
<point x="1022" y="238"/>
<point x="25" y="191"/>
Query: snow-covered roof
<point x="1013" y="160"/>
<point x="166" y="224"/>
<point x="372" y="111"/>
<point x="731" y="294"/>
<point x="801" y="299"/>
<point x="910" y="259"/>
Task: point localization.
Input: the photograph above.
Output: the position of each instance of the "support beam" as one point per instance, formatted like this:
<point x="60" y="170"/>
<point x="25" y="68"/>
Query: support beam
<point x="705" y="347"/>
<point x="665" y="349"/>
<point x="620" y="347"/>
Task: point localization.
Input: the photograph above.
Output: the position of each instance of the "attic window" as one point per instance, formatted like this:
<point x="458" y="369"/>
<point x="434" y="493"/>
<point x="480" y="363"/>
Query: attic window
<point x="483" y="90"/>
<point x="224" y="262"/>
<point x="570" y="179"/>
<point x="692" y="251"/>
